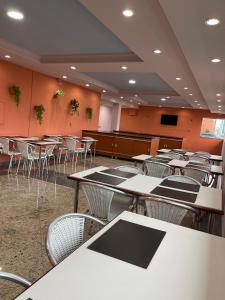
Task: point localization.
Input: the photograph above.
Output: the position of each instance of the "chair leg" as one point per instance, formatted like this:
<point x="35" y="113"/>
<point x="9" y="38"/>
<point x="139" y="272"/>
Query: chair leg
<point x="18" y="166"/>
<point x="10" y="163"/>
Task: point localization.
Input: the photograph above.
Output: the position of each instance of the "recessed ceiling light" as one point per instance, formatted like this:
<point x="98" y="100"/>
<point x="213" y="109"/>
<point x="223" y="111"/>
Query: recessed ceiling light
<point x="72" y="67"/>
<point x="218" y="94"/>
<point x="7" y="56"/>
<point x="218" y="100"/>
<point x="212" y="22"/>
<point x="128" y="13"/>
<point x="219" y="106"/>
<point x="190" y="94"/>
<point x="185" y="88"/>
<point x="15" y="14"/>
<point x="196" y="101"/>
<point x="216" y="60"/>
<point x="104" y="91"/>
<point x="121" y="97"/>
<point x="168" y="97"/>
<point x="157" y="51"/>
<point x="178" y="78"/>
<point x="139" y="103"/>
<point x="64" y="77"/>
<point x="132" y="81"/>
<point x="124" y="67"/>
<point x="198" y="104"/>
<point x="87" y="84"/>
<point x="136" y="95"/>
<point x="113" y="101"/>
<point x="163" y="99"/>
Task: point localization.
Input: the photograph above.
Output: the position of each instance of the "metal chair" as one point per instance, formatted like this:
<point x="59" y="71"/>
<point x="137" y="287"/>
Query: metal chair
<point x="105" y="202"/>
<point x="130" y="169"/>
<point x="182" y="178"/>
<point x="65" y="234"/>
<point x="157" y="169"/>
<point x="5" y="143"/>
<point x="15" y="278"/>
<point x="71" y="144"/>
<point x="202" y="176"/>
<point x="60" y="148"/>
<point x="169" y="211"/>
<point x="200" y="159"/>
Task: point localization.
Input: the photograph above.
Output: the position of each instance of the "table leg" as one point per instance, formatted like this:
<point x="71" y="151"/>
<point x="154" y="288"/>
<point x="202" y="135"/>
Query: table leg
<point x="76" y="199"/>
<point x="210" y="222"/>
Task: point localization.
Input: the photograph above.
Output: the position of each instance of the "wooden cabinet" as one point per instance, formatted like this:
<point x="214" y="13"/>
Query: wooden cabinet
<point x="105" y="143"/>
<point x="128" y="147"/>
<point x="170" y="143"/>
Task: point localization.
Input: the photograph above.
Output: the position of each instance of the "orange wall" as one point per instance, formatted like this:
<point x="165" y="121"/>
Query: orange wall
<point x="148" y="118"/>
<point x="36" y="89"/>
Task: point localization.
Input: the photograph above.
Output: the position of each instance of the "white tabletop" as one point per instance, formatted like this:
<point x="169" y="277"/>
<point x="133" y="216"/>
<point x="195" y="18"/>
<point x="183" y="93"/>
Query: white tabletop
<point x="188" y="265"/>
<point x="209" y="199"/>
<point x="164" y="150"/>
<point x="216" y="157"/>
<point x="178" y="163"/>
<point x="142" y="157"/>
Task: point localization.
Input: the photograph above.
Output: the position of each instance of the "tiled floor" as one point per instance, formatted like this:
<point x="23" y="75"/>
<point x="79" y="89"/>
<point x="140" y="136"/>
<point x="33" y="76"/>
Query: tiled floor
<point x="27" y="206"/>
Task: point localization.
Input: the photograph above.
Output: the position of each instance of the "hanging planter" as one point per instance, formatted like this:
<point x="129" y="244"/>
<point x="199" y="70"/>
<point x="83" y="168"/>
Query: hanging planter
<point x="39" y="110"/>
<point x="58" y="93"/>
<point x="74" y="107"/>
<point x="89" y="112"/>
<point x="15" y="91"/>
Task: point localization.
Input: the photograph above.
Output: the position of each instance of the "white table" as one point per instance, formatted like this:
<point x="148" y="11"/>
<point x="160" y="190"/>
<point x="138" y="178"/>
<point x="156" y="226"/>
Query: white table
<point x="188" y="265"/>
<point x="164" y="150"/>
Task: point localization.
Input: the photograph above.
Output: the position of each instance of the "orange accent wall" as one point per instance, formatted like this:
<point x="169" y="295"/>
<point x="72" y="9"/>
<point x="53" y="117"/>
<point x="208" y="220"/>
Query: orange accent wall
<point x="148" y="118"/>
<point x="36" y="89"/>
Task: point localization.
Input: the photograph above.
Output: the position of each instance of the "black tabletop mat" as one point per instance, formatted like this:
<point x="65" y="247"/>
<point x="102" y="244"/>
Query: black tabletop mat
<point x="180" y="185"/>
<point x="179" y="195"/>
<point x="129" y="242"/>
<point x="119" y="173"/>
<point x="195" y="163"/>
<point x="105" y="178"/>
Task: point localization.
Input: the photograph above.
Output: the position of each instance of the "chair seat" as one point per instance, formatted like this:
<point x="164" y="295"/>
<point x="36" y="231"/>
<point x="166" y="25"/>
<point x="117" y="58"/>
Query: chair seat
<point x="119" y="204"/>
<point x="79" y="150"/>
<point x="13" y="153"/>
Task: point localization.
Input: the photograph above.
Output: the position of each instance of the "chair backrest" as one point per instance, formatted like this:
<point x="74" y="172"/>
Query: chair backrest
<point x="156" y="169"/>
<point x="23" y="148"/>
<point x="49" y="150"/>
<point x="71" y="143"/>
<point x="199" y="158"/>
<point x="5" y="145"/>
<point x="182" y="178"/>
<point x="65" y="234"/>
<point x="130" y="169"/>
<point x="201" y="175"/>
<point x="15" y="278"/>
<point x="167" y="210"/>
<point x="99" y="198"/>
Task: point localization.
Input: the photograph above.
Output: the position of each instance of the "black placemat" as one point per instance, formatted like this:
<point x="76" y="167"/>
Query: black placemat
<point x="174" y="194"/>
<point x="195" y="163"/>
<point x="99" y="177"/>
<point x="180" y="185"/>
<point x="129" y="242"/>
<point x="119" y="173"/>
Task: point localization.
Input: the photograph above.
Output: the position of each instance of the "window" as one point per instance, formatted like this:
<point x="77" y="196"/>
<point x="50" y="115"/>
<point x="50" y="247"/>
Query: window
<point x="213" y="128"/>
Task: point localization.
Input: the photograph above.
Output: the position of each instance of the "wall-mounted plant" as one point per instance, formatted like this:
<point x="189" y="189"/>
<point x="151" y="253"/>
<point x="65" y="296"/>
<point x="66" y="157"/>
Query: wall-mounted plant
<point x="58" y="93"/>
<point x="89" y="112"/>
<point x="16" y="92"/>
<point x="39" y="110"/>
<point x="74" y="106"/>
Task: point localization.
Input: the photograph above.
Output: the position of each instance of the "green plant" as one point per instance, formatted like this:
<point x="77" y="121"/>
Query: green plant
<point x="74" y="106"/>
<point x="89" y="112"/>
<point x="58" y="93"/>
<point x="39" y="109"/>
<point x="15" y="91"/>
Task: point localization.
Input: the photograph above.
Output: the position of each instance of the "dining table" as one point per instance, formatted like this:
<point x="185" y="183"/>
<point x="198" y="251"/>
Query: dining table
<point x="137" y="257"/>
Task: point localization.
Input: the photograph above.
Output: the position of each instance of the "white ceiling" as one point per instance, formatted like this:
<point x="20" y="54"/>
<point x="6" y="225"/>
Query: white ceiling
<point x="102" y="40"/>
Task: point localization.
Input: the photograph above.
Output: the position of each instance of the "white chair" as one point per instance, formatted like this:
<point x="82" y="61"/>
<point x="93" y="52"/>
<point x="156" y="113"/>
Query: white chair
<point x="157" y="169"/>
<point x="71" y="144"/>
<point x="5" y="142"/>
<point x="169" y="211"/>
<point x="60" y="148"/>
<point x="130" y="169"/>
<point x="202" y="176"/>
<point x="105" y="202"/>
<point x="65" y="234"/>
<point x="15" y="278"/>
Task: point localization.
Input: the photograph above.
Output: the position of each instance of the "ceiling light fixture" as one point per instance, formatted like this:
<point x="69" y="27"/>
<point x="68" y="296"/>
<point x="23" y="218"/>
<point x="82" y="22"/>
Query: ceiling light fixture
<point x="219" y="106"/>
<point x="218" y="95"/>
<point x="121" y="97"/>
<point x="178" y="78"/>
<point x="123" y="67"/>
<point x="216" y="60"/>
<point x="196" y="101"/>
<point x="15" y="14"/>
<point x="87" y="84"/>
<point x="185" y="88"/>
<point x="218" y="100"/>
<point x="190" y="94"/>
<point x="163" y="99"/>
<point x="128" y="13"/>
<point x="7" y="56"/>
<point x="168" y="97"/>
<point x="72" y="67"/>
<point x="136" y="95"/>
<point x="64" y="77"/>
<point x="212" y="22"/>
<point x="198" y="104"/>
<point x="139" y="103"/>
<point x="219" y="109"/>
<point x="104" y="91"/>
<point x="157" y="51"/>
<point x="132" y="81"/>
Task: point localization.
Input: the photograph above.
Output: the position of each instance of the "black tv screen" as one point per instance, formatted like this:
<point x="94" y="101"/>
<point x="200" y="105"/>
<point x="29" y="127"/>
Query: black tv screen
<point x="169" y="120"/>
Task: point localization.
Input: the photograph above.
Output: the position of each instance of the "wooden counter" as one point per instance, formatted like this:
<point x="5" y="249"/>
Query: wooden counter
<point x="128" y="144"/>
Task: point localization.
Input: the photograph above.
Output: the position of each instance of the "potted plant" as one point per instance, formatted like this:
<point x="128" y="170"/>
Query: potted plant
<point x="58" y="93"/>
<point x="89" y="112"/>
<point x="39" y="109"/>
<point x="74" y="106"/>
<point x="15" y="91"/>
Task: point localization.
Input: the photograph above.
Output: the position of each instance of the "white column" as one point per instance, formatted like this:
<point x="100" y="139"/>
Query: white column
<point x="116" y="112"/>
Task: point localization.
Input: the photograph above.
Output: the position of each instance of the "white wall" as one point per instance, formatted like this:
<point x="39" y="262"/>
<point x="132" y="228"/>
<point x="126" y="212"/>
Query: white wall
<point x="105" y="118"/>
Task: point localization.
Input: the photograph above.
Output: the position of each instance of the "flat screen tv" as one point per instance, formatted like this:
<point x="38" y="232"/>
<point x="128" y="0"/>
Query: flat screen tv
<point x="169" y="120"/>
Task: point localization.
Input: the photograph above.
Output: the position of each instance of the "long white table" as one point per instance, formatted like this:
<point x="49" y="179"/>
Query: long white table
<point x="188" y="265"/>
